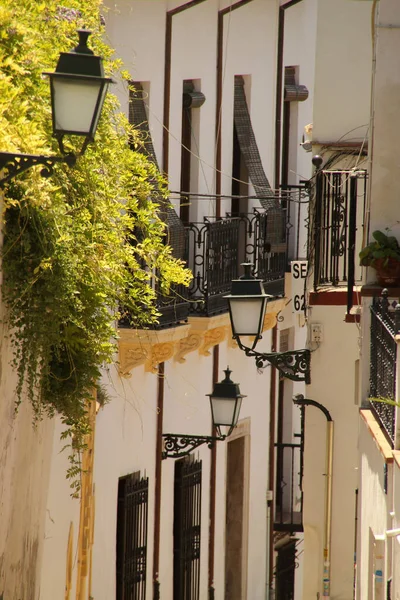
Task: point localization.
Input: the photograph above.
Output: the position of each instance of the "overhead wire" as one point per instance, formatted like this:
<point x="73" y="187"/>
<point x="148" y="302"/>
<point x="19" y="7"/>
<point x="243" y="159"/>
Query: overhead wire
<point x="193" y="153"/>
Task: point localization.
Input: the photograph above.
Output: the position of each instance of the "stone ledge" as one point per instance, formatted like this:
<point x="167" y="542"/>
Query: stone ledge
<point x="147" y="347"/>
<point x="370" y="290"/>
<point x="150" y="347"/>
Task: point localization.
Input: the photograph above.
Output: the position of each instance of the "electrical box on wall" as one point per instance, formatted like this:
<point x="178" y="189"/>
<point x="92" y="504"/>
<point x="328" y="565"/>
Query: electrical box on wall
<point x="316" y="333"/>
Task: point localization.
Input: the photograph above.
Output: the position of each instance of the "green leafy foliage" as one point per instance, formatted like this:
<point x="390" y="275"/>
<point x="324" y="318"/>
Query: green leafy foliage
<point x="383" y="247"/>
<point x="83" y="243"/>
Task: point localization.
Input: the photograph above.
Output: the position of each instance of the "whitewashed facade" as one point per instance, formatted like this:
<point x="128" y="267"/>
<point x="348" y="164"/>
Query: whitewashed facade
<point x="76" y="541"/>
<point x="73" y="545"/>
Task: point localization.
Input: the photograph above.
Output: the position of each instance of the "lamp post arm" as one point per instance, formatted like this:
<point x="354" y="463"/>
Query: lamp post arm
<point x="293" y="364"/>
<point x="301" y="401"/>
<point x="15" y="164"/>
<point x="177" y="445"/>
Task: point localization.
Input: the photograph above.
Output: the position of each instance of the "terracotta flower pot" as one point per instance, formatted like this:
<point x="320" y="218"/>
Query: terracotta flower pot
<point x="387" y="271"/>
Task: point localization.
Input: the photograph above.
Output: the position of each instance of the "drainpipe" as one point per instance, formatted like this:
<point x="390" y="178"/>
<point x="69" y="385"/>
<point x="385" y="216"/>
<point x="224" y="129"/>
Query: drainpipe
<point x="213" y="485"/>
<point x="271" y="470"/>
<point x="157" y="486"/>
<point x="326" y="581"/>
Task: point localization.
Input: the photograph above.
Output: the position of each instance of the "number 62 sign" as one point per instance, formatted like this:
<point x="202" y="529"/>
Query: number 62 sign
<point x="299" y="275"/>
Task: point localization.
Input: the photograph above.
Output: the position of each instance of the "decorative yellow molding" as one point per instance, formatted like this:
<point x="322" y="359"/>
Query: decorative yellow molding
<point x="86" y="517"/>
<point x="147" y="347"/>
<point x="269" y="321"/>
<point x="206" y="323"/>
<point x="68" y="582"/>
<point x="213" y="337"/>
<point x="160" y="353"/>
<point x="131" y="357"/>
<point x="273" y="309"/>
<point x="188" y="344"/>
<point x="151" y="347"/>
<point x="232" y="343"/>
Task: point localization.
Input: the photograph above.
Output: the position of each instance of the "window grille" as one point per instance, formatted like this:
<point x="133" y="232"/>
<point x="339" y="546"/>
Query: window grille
<point x="187" y="527"/>
<point x="284" y="339"/>
<point x="132" y="518"/>
<point x="383" y="357"/>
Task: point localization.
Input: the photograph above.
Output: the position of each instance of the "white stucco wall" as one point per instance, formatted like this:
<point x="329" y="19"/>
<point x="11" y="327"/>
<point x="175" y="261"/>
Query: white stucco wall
<point x="141" y="48"/>
<point x="25" y="455"/>
<point x="374" y="507"/>
<point x="299" y="51"/>
<point x="386" y="98"/>
<point x="126" y="443"/>
<point x="394" y="521"/>
<point x="136" y="30"/>
<point x="342" y="71"/>
<point x="329" y="42"/>
<point x="333" y="385"/>
<point x="125" y="428"/>
<point x="61" y="510"/>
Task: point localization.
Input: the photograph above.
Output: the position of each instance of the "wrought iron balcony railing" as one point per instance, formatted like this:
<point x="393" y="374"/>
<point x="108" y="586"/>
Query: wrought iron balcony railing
<point x="336" y="217"/>
<point x="289" y="493"/>
<point x="383" y="347"/>
<point x="215" y="248"/>
<point x="214" y="257"/>
<point x="295" y="203"/>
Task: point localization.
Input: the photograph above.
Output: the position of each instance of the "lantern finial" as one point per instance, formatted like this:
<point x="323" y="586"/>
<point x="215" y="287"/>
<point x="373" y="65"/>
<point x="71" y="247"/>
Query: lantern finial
<point x="82" y="47"/>
<point x="227" y="372"/>
<point x="248" y="268"/>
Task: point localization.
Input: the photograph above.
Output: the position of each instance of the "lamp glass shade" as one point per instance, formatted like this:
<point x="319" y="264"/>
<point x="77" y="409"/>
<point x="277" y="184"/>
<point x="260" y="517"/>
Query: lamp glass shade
<point x="247" y="314"/>
<point x="225" y="411"/>
<point x="77" y="104"/>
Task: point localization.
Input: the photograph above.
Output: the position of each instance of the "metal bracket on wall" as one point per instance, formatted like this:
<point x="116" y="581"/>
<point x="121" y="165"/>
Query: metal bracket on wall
<point x="177" y="445"/>
<point x="294" y="364"/>
<point x="15" y="164"/>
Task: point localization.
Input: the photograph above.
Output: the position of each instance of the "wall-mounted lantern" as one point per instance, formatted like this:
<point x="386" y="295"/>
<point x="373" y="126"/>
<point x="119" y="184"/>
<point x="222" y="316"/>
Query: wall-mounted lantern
<point x="78" y="89"/>
<point x="225" y="403"/>
<point x="247" y="305"/>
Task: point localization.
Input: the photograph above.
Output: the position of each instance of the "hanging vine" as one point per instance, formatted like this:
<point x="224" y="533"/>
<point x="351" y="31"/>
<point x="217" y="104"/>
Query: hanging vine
<point x="85" y="242"/>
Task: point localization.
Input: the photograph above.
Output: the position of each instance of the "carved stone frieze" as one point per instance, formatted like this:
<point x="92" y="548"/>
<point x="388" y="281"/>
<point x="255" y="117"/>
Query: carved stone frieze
<point x="147" y="347"/>
<point x="213" y="337"/>
<point x="187" y="345"/>
<point x="131" y="356"/>
<point x="205" y="332"/>
<point x="160" y="353"/>
<point x="152" y="347"/>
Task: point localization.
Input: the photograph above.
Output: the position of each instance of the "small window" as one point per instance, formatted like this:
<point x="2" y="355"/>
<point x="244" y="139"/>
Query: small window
<point x="187" y="526"/>
<point x="132" y="537"/>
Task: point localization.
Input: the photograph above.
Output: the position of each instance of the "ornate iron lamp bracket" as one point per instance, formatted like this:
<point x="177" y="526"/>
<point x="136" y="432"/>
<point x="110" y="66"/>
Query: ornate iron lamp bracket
<point x="15" y="164"/>
<point x="294" y="364"/>
<point x="177" y="445"/>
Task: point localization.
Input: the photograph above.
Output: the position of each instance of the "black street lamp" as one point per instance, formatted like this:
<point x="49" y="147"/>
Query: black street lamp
<point x="247" y="305"/>
<point x="78" y="89"/>
<point x="225" y="403"/>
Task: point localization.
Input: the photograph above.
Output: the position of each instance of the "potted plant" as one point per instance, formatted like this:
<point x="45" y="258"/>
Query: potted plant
<point x="383" y="255"/>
